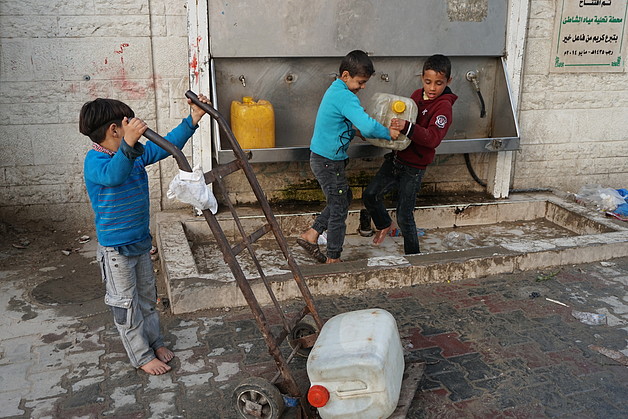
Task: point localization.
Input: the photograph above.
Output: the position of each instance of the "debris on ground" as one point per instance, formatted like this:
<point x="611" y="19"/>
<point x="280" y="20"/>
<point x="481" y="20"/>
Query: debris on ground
<point x="592" y="319"/>
<point x="601" y="198"/>
<point x="614" y="215"/>
<point x="164" y="301"/>
<point x="154" y="254"/>
<point x="84" y="239"/>
<point x="556" y="302"/>
<point x="22" y="244"/>
<point x="611" y="353"/>
<point x="546" y="277"/>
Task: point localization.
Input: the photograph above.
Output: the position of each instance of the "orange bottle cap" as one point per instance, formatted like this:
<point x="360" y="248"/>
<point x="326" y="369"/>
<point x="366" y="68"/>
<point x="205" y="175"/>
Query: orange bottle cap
<point x="318" y="396"/>
<point x="247" y="99"/>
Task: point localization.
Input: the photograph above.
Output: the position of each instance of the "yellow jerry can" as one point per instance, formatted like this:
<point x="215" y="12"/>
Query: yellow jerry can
<point x="253" y="123"/>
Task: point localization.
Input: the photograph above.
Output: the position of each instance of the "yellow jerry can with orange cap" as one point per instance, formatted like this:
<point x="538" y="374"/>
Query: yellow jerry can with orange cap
<point x="253" y="123"/>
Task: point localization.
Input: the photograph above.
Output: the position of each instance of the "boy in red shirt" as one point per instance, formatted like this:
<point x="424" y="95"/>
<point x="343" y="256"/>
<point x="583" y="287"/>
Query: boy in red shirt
<point x="403" y="170"/>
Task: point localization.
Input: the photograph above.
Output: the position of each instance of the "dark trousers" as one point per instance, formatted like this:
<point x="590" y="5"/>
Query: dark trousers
<point x="331" y="176"/>
<point x="407" y="181"/>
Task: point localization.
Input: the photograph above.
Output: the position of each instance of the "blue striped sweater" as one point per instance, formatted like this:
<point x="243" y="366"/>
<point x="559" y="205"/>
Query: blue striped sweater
<point x="117" y="186"/>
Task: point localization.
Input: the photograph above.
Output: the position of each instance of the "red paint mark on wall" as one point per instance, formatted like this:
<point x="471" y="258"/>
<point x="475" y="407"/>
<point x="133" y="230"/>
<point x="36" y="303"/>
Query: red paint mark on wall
<point x="194" y="60"/>
<point x="114" y="76"/>
<point x="122" y="47"/>
<point x="134" y="89"/>
<point x="194" y="65"/>
<point x="198" y="42"/>
<point x="121" y="51"/>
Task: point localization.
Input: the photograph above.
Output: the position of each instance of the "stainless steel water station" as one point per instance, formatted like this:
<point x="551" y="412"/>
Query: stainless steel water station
<point x="288" y="53"/>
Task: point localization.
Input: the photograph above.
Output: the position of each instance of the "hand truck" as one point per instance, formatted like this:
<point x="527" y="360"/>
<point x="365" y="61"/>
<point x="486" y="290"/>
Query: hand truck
<point x="257" y="397"/>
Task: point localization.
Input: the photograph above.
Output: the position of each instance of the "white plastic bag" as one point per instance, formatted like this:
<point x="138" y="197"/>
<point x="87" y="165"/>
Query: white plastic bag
<point x="604" y="199"/>
<point x="190" y="187"/>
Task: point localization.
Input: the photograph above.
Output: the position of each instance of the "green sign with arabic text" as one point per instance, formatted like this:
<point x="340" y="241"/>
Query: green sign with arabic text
<point x="589" y="35"/>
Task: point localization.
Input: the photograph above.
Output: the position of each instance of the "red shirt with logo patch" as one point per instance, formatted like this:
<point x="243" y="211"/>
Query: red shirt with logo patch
<point x="433" y="121"/>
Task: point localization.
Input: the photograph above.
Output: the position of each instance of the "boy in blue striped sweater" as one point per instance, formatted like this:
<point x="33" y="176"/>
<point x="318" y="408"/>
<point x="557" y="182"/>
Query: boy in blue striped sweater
<point x="117" y="185"/>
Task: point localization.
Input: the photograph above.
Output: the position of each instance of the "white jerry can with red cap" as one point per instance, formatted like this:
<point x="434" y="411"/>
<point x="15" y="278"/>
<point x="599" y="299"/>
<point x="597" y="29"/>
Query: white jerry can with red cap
<point x="356" y="366"/>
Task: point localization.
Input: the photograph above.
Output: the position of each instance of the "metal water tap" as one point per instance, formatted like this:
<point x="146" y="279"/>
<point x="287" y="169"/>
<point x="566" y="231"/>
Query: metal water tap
<point x="242" y="80"/>
<point x="472" y="76"/>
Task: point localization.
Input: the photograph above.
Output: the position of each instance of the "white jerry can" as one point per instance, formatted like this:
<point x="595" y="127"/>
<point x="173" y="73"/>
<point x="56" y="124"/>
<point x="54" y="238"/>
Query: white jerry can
<point x="385" y="106"/>
<point x="356" y="366"/>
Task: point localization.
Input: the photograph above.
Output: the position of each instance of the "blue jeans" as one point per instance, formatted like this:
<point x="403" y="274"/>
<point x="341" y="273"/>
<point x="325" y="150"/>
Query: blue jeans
<point x="407" y="180"/>
<point x="132" y="296"/>
<point x="331" y="176"/>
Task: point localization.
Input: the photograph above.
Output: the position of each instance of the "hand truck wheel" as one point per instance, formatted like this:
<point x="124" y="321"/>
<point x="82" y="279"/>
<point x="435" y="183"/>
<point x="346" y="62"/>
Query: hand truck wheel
<point x="307" y="326"/>
<point x="256" y="397"/>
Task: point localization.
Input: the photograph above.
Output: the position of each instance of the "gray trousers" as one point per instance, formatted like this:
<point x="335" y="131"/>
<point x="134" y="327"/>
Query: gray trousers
<point x="132" y="296"/>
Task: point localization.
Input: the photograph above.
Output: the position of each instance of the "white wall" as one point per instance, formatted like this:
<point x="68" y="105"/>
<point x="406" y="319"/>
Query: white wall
<point x="574" y="127"/>
<point x="54" y="56"/>
<point x="57" y="54"/>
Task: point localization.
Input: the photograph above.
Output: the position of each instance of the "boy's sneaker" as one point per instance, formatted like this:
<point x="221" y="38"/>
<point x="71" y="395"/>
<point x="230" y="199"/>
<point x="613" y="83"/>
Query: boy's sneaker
<point x="365" y="229"/>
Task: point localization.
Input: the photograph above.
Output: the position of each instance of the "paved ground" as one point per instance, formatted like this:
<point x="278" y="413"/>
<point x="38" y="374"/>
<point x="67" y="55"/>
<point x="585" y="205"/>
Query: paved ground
<point x="494" y="347"/>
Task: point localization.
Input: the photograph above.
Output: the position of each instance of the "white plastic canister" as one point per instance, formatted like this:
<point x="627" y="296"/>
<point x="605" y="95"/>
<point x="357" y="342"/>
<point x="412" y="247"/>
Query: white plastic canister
<point x="385" y="106"/>
<point x="358" y="358"/>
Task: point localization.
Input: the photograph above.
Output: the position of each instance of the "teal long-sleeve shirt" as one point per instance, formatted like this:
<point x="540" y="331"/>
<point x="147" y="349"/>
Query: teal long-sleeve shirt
<point x="117" y="186"/>
<point x="340" y="110"/>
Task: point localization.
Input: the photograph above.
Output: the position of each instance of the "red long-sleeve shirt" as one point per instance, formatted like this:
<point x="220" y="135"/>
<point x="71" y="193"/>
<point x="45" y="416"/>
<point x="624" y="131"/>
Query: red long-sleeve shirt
<point x="433" y="121"/>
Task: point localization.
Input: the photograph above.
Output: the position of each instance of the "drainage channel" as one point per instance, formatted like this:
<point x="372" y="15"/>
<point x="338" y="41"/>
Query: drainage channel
<point x="534" y="231"/>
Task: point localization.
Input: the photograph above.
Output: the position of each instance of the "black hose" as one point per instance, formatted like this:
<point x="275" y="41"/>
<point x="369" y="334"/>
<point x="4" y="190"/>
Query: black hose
<point x="483" y="110"/>
<point x="475" y="177"/>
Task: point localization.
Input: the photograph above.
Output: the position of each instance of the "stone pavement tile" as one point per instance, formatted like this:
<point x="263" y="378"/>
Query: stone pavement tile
<point x="46" y="384"/>
<point x="14" y="377"/>
<point x="45" y="408"/>
<point x="475" y="368"/>
<point x="124" y="401"/>
<point x="596" y="404"/>
<point x="546" y="340"/>
<point x="163" y="405"/>
<point x="611" y="382"/>
<point x="10" y="401"/>
<point x="458" y="386"/>
<point x="88" y="399"/>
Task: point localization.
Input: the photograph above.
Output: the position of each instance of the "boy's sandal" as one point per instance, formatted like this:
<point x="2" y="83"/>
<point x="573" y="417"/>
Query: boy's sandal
<point x="313" y="250"/>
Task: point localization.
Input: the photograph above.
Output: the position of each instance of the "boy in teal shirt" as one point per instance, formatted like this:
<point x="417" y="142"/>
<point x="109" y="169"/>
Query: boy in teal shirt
<point x="339" y="112"/>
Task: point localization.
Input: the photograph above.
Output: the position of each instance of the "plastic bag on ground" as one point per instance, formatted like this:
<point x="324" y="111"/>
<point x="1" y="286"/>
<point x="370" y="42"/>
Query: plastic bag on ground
<point x="592" y="319"/>
<point x="604" y="199"/>
<point x="190" y="187"/>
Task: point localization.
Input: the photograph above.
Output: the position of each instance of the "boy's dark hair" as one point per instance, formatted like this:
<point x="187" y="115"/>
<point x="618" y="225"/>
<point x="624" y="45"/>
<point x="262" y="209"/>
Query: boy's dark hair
<point x="438" y="63"/>
<point x="96" y="116"/>
<point x="357" y="63"/>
